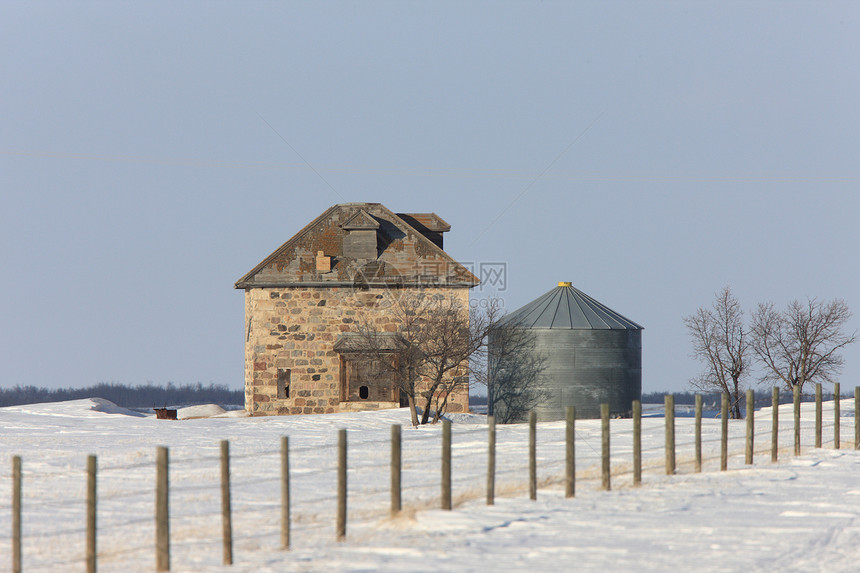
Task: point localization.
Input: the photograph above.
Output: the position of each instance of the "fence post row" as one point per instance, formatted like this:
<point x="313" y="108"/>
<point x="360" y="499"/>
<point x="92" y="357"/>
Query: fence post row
<point x="724" y="432"/>
<point x="396" y="465"/>
<point x="91" y="514"/>
<point x="604" y="425"/>
<point x="226" y="516"/>
<point x="570" y="452"/>
<point x="162" y="521"/>
<point x="162" y="530"/>
<point x="446" y="465"/>
<point x="341" y="485"/>
<point x="669" y="414"/>
<point x="491" y="460"/>
<point x="774" y="432"/>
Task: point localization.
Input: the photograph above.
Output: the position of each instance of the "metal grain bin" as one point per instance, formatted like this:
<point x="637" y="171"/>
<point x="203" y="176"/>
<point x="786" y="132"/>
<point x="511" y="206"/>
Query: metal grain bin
<point x="571" y="351"/>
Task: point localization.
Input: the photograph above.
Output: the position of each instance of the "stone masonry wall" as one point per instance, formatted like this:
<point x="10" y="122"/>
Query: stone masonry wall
<point x="296" y="328"/>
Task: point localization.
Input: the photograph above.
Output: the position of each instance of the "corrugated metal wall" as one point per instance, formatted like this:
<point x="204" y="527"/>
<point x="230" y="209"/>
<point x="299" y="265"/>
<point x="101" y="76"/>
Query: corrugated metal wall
<point x="583" y="368"/>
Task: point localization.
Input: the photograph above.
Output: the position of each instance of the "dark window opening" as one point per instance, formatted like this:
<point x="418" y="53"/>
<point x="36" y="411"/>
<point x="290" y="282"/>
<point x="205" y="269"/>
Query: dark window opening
<point x="363" y="392"/>
<point x="283" y="383"/>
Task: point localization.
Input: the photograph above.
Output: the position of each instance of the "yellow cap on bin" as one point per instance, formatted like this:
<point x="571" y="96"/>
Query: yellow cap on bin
<point x="563" y="283"/>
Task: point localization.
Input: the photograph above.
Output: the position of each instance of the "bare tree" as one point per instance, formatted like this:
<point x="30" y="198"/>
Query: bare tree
<point x="802" y="343"/>
<point x="513" y="371"/>
<point x="721" y="342"/>
<point x="436" y="337"/>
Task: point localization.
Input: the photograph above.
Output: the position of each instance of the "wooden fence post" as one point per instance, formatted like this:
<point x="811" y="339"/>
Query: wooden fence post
<point x="532" y="455"/>
<point x="226" y="514"/>
<point x="16" y="514"/>
<point x="774" y="432"/>
<point x="637" y="442"/>
<point x="162" y="511"/>
<point x="91" y="514"/>
<point x="285" y="492"/>
<point x="698" y="433"/>
<point x="570" y="453"/>
<point x="341" y="484"/>
<point x="669" y="413"/>
<point x="396" y="469"/>
<point x="491" y="460"/>
<point x="837" y="429"/>
<point x="446" y="465"/>
<point x="724" y="432"/>
<point x="856" y="417"/>
<point x="750" y="412"/>
<point x="796" y="399"/>
<point x="604" y="425"/>
<point x="817" y="415"/>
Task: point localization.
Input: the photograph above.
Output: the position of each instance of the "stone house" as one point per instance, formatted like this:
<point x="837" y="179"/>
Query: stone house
<point x="304" y="301"/>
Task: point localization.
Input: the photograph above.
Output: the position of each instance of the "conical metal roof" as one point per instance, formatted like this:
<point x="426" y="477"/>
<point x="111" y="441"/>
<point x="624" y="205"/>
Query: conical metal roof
<point x="566" y="307"/>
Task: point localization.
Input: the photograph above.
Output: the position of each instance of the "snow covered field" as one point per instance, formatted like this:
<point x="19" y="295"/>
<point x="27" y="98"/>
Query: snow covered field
<point x="798" y="515"/>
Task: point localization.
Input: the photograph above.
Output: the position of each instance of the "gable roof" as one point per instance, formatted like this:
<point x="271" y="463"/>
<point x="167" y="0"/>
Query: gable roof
<point x="405" y="256"/>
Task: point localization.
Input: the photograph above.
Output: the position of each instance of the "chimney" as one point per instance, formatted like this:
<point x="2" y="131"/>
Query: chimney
<point x="323" y="263"/>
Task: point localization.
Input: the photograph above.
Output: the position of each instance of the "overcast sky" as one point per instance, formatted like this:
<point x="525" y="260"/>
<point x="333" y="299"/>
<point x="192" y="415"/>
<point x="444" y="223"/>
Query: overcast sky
<point x="650" y="152"/>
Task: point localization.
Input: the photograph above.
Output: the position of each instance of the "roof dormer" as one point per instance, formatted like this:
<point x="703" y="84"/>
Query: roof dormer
<point x="360" y="241"/>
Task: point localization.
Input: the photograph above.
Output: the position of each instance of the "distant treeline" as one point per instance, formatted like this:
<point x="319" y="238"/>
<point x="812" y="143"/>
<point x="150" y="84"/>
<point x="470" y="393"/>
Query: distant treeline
<point x="140" y="396"/>
<point x="153" y="396"/>
<point x="712" y="399"/>
<point x="681" y="397"/>
<point x="478" y="400"/>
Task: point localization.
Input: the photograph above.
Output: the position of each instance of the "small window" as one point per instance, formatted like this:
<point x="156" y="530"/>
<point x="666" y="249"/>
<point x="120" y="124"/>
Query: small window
<point x="363" y="392"/>
<point x="283" y="383"/>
